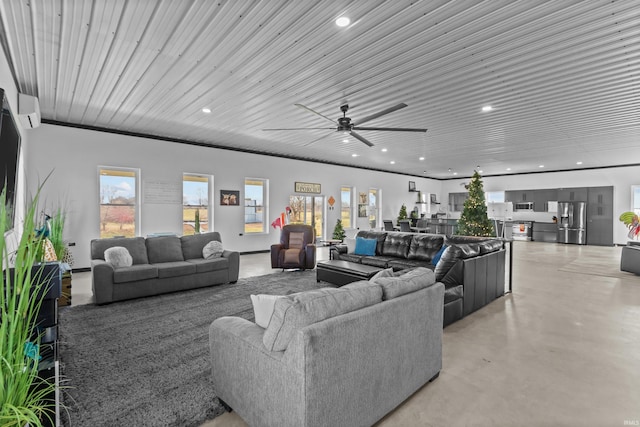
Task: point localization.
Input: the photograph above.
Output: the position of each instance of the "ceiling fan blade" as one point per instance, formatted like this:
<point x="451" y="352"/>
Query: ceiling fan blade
<point x="302" y="129"/>
<point x="361" y="138"/>
<point x="391" y="129"/>
<point x="383" y="112"/>
<point x="318" y="139"/>
<point x="314" y="112"/>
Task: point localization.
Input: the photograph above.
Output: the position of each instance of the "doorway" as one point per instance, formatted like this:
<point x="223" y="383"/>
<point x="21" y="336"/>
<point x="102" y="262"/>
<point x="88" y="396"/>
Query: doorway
<point x="308" y="210"/>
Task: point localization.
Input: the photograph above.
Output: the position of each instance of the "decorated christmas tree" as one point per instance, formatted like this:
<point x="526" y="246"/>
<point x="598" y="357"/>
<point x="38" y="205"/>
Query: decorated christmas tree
<point x="338" y="231"/>
<point x="474" y="220"/>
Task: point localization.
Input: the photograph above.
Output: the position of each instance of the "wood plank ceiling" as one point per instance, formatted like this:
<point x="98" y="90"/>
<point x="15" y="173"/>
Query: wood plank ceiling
<point x="563" y="77"/>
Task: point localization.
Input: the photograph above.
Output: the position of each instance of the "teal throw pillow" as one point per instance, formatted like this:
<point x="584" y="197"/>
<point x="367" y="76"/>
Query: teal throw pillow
<point x="437" y="256"/>
<point x="365" y="246"/>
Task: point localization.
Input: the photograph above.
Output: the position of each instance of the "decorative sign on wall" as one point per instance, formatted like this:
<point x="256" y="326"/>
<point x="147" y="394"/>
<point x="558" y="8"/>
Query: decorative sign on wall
<point x="307" y="187"/>
<point x="162" y="192"/>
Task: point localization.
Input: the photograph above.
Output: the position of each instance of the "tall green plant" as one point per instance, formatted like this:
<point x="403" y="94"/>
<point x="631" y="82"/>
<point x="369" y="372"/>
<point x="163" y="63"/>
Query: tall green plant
<point x="22" y="393"/>
<point x="57" y="228"/>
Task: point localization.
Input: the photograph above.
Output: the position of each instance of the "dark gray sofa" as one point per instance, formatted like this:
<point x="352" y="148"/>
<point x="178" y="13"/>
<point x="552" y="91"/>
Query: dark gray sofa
<point x="160" y="265"/>
<point x="471" y="268"/>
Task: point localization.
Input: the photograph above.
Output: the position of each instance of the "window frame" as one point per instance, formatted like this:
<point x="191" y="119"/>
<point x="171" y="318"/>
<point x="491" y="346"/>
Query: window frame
<point x="200" y="177"/>
<point x="135" y="173"/>
<point x="351" y="210"/>
<point x="265" y="205"/>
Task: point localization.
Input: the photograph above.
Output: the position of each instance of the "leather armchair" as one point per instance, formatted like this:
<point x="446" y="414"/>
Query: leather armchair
<point x="296" y="249"/>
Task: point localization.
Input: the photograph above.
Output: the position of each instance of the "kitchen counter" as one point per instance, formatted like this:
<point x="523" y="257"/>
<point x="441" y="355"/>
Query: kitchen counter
<point x="545" y="232"/>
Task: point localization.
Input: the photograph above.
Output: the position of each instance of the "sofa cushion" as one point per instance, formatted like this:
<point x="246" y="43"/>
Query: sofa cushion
<point x="452" y="254"/>
<point x="397" y="245"/>
<point x="424" y="247"/>
<point x="409" y="281"/>
<point x="134" y="273"/>
<point x="164" y="249"/>
<point x="302" y="309"/>
<point x="378" y="235"/>
<point x="377" y="261"/>
<point x="296" y="240"/>
<point x="489" y="246"/>
<point x="403" y="264"/>
<point x="118" y="256"/>
<point x="175" y="268"/>
<point x="135" y="246"/>
<point x="365" y="247"/>
<point x="452" y="293"/>
<point x="387" y="272"/>
<point x="263" y="306"/>
<point x="207" y="265"/>
<point x="213" y="249"/>
<point x="352" y="258"/>
<point x="193" y="245"/>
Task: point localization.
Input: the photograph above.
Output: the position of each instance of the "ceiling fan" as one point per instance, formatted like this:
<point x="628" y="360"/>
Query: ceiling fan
<point x="346" y="126"/>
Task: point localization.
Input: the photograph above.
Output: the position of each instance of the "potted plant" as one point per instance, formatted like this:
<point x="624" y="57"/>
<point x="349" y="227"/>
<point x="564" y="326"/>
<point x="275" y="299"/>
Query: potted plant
<point x="402" y="214"/>
<point x="22" y="393"/>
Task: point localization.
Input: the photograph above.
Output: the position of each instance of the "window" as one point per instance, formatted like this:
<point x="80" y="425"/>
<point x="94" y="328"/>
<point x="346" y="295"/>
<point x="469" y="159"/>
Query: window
<point x="635" y="199"/>
<point x="195" y="203"/>
<point x="346" y="206"/>
<point x="118" y="202"/>
<point x="374" y="205"/>
<point x="255" y="208"/>
<point x="494" y="196"/>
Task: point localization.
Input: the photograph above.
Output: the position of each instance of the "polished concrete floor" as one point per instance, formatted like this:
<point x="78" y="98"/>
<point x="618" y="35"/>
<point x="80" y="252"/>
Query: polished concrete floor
<point x="563" y="349"/>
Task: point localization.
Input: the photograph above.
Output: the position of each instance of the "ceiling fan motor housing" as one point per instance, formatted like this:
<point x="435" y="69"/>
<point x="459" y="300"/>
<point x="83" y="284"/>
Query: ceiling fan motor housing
<point x="344" y="124"/>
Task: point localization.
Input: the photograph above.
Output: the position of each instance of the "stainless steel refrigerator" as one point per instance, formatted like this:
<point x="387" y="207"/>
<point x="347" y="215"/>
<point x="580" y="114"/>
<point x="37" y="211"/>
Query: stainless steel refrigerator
<point x="572" y="222"/>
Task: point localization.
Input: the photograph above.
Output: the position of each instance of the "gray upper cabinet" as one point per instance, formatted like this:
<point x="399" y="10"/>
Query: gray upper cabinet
<point x="578" y="194"/>
<point x="600" y="216"/>
<point x="541" y="199"/>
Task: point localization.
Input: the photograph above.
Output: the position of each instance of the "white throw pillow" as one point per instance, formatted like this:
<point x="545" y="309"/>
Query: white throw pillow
<point x="213" y="249"/>
<point x="118" y="256"/>
<point x="351" y="245"/>
<point x="263" y="308"/>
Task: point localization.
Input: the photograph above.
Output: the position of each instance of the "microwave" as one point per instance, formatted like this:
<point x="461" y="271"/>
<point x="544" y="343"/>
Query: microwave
<point x="523" y="207"/>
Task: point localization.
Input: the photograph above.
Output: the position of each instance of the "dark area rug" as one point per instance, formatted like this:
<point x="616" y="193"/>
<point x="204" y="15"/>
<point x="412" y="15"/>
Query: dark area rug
<point x="145" y="362"/>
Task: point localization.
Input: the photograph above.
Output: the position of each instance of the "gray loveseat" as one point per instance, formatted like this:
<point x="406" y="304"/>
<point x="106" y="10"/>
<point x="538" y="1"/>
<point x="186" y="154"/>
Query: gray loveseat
<point x="160" y="265"/>
<point x="471" y="268"/>
<point x="331" y="357"/>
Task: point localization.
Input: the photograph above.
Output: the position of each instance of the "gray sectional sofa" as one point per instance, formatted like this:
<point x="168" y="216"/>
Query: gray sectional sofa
<point x="471" y="268"/>
<point x="160" y="265"/>
<point x="334" y="356"/>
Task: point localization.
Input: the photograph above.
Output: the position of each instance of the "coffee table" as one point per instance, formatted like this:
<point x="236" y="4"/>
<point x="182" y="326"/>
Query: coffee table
<point x="341" y="272"/>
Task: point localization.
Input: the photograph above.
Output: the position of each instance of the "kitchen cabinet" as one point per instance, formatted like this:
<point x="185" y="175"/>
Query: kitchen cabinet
<point x="578" y="194"/>
<point x="541" y="199"/>
<point x="545" y="232"/>
<point x="600" y="216"/>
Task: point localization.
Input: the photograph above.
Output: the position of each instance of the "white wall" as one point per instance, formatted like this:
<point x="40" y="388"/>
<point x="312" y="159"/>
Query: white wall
<point x="75" y="154"/>
<point x="620" y="178"/>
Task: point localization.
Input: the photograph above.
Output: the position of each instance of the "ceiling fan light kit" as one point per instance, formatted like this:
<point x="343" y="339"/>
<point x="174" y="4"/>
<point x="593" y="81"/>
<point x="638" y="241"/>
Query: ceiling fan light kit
<point x="347" y="127"/>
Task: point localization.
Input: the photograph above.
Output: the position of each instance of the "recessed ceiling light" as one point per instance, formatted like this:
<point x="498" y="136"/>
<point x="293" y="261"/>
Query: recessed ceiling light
<point x="384" y="150"/>
<point x="343" y="21"/>
<point x="345" y="140"/>
<point x="421" y="158"/>
<point x="455" y="173"/>
<point x="206" y="110"/>
<point x="487" y="108"/>
<point x="508" y="169"/>
<point x="354" y="155"/>
<point x="541" y="166"/>
<point x="479" y="171"/>
<point x="578" y="163"/>
<point x="393" y="162"/>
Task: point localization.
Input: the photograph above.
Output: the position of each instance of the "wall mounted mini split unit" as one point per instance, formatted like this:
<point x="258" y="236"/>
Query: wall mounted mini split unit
<point x="28" y="111"/>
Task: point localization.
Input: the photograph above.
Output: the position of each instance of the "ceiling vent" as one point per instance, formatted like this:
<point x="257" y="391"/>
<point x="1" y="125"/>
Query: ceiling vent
<point x="28" y="111"/>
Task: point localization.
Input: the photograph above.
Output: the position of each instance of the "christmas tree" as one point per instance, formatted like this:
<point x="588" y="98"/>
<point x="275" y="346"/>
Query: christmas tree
<point x="474" y="220"/>
<point x="338" y="231"/>
<point x="403" y="213"/>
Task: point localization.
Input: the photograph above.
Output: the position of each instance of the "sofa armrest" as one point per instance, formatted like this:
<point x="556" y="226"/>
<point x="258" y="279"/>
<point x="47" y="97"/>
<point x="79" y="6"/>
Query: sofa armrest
<point x="102" y="281"/>
<point x="275" y="254"/>
<point x="234" y="264"/>
<point x="248" y="377"/>
<point x="630" y="259"/>
<point x="310" y="255"/>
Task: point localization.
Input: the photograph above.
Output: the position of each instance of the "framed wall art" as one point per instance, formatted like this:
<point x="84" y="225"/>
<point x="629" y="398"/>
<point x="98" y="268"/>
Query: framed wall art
<point x="229" y="198"/>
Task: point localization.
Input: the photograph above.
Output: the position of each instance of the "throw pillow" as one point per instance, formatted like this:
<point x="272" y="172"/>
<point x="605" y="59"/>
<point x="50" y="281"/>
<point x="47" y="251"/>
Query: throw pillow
<point x="213" y="249"/>
<point x="118" y="256"/>
<point x="296" y="240"/>
<point x="351" y="245"/>
<point x="365" y="246"/>
<point x="438" y="255"/>
<point x="387" y="272"/>
<point x="263" y="308"/>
